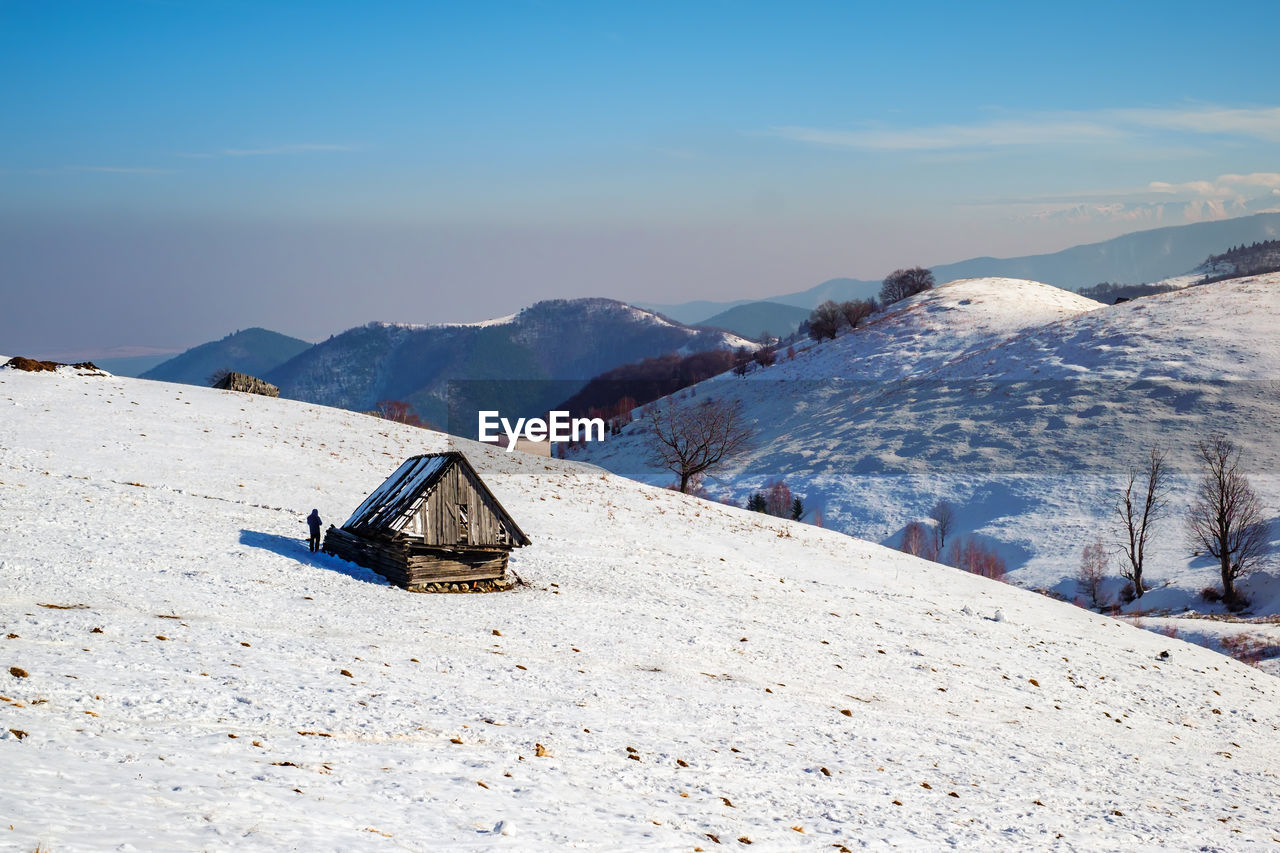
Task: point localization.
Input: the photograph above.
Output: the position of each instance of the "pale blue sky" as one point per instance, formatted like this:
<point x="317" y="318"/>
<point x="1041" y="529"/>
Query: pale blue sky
<point x="173" y="170"/>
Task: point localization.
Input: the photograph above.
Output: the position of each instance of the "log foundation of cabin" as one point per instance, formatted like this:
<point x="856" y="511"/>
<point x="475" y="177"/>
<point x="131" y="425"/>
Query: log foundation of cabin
<point x="417" y="567"/>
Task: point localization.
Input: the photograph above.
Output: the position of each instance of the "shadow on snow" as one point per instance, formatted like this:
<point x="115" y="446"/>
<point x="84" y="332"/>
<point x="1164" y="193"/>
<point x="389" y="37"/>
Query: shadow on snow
<point x="297" y="549"/>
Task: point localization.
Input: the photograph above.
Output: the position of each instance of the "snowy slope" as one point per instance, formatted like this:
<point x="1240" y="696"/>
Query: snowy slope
<point x="1023" y="405"/>
<point x="194" y="679"/>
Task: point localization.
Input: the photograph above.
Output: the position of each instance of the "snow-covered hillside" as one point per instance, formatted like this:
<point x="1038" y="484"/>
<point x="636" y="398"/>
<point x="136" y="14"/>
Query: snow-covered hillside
<point x="180" y="673"/>
<point x="1023" y="405"/>
<point x="935" y="328"/>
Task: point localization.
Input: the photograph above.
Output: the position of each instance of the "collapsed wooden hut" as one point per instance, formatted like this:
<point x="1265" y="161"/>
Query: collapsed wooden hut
<point x="233" y="381"/>
<point x="432" y="524"/>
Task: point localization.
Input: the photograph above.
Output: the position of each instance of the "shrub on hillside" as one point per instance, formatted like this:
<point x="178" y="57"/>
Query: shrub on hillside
<point x="766" y="355"/>
<point x="1092" y="572"/>
<point x="857" y="310"/>
<point x="825" y="321"/>
<point x="900" y="284"/>
<point x="1252" y="649"/>
<point x="970" y="555"/>
<point x="400" y="412"/>
<point x="918" y="541"/>
<point x="776" y="499"/>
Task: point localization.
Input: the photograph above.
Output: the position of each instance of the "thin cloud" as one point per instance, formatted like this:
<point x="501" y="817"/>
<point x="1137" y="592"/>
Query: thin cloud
<point x="119" y="170"/>
<point x="1242" y="187"/>
<point x="283" y="149"/>
<point x="272" y="151"/>
<point x="1157" y="203"/>
<point x="1048" y="129"/>
<point x="1223" y="185"/>
<point x="1008" y="132"/>
<point x="678" y="153"/>
<point x="1255" y="123"/>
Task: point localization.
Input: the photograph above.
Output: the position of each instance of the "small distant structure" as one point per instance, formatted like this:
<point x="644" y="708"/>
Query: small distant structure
<point x="432" y="526"/>
<point x="233" y="381"/>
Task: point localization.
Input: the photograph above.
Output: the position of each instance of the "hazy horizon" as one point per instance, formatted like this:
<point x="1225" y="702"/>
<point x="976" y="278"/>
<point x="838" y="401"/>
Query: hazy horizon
<point x="171" y="172"/>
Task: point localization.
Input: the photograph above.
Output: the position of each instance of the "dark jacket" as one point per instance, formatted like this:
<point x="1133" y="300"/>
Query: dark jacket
<point x="314" y="522"/>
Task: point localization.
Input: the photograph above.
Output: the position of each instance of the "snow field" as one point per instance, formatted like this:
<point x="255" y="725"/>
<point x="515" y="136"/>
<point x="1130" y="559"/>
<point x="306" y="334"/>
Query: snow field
<point x="776" y="682"/>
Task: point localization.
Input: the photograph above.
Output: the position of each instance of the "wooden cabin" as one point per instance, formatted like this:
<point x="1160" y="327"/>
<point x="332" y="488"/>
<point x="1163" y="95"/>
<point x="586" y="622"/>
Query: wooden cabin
<point x="430" y="525"/>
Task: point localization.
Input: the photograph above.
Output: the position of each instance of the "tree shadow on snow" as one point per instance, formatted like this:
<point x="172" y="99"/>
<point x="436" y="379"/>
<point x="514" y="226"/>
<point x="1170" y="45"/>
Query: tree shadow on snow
<point x="297" y="549"/>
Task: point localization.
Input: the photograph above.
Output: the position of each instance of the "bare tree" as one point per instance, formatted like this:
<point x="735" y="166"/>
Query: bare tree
<point x="857" y="310"/>
<point x="1093" y="571"/>
<point x="1141" y="503"/>
<point x="692" y="438"/>
<point x="900" y="284"/>
<point x="825" y="320"/>
<point x="944" y="517"/>
<point x="1226" y="519"/>
<point x="917" y="542"/>
<point x="970" y="555"/>
<point x="767" y="354"/>
<point x="398" y="411"/>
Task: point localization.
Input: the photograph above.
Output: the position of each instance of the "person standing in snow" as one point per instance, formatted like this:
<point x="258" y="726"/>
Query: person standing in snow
<point x="313" y="521"/>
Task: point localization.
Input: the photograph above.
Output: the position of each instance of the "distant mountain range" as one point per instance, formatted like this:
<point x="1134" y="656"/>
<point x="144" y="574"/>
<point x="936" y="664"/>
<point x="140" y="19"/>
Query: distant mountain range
<point x="1143" y="256"/>
<point x="253" y="351"/>
<point x="755" y="319"/>
<point x="520" y="365"/>
<point x="545" y="354"/>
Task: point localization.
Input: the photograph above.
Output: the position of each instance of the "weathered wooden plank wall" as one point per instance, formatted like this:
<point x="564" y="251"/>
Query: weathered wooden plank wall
<point x="437" y="518"/>
<point x="410" y="565"/>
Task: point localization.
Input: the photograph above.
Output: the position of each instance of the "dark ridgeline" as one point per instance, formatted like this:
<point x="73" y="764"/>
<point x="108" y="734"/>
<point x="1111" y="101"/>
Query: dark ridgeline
<point x="253" y="351"/>
<point x="431" y="525"/>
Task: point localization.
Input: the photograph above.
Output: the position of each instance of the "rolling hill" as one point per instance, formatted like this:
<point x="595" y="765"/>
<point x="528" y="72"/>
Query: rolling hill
<point x="1023" y="405"/>
<point x="253" y="351"/>
<point x="755" y="319"/>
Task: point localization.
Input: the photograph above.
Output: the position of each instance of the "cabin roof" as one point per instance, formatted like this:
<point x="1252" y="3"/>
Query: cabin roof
<point x="416" y="476"/>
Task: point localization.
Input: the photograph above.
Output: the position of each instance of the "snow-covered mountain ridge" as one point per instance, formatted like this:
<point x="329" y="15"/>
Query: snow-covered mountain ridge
<point x="530" y="361"/>
<point x="179" y="673"/>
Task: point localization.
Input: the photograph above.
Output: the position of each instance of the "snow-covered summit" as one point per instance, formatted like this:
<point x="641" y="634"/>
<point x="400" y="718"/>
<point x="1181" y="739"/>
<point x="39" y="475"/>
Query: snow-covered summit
<point x="180" y="673"/>
<point x="936" y="327"/>
<point x="989" y="306"/>
<point x="1225" y="331"/>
